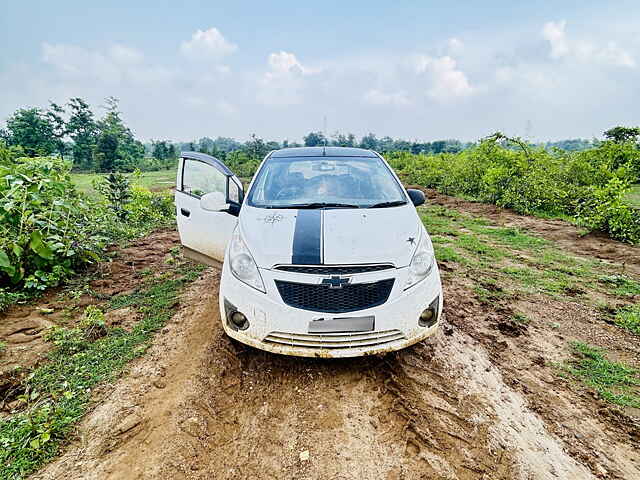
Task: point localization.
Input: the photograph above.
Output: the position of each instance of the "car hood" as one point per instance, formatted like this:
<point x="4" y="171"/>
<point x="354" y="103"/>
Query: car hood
<point x="330" y="236"/>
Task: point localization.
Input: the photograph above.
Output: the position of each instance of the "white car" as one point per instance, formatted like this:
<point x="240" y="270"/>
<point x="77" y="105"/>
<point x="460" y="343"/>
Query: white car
<point x="324" y="257"/>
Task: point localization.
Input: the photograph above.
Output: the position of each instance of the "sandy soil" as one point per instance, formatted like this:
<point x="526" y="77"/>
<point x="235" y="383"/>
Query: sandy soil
<point x="480" y="400"/>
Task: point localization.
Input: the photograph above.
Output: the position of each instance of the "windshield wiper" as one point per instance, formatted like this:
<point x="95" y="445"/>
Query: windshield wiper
<point x="395" y="203"/>
<point x="320" y="205"/>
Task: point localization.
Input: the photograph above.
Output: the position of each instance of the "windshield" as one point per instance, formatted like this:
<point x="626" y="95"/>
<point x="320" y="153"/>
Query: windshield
<point x="316" y="182"/>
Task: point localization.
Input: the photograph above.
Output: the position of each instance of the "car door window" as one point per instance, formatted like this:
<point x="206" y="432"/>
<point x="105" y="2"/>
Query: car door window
<point x="199" y="178"/>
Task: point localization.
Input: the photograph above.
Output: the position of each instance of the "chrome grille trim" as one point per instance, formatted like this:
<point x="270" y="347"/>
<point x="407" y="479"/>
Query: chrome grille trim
<point x="335" y="269"/>
<point x="334" y="340"/>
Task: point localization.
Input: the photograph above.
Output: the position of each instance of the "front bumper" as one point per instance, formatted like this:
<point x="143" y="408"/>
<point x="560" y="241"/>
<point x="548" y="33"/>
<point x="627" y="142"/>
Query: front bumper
<point x="280" y="328"/>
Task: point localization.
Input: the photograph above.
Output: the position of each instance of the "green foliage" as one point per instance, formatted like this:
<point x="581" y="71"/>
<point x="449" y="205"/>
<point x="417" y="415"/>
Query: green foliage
<point x="48" y="230"/>
<point x="629" y="318"/>
<point x="614" y="381"/>
<point x="82" y="129"/>
<point x="590" y="185"/>
<point x="32" y="129"/>
<point x="607" y="209"/>
<point x="315" y="139"/>
<point x="43" y="224"/>
<point x="242" y="164"/>
<point x="622" y="134"/>
<point x="116" y="188"/>
<point x="621" y="285"/>
<point x="8" y="154"/>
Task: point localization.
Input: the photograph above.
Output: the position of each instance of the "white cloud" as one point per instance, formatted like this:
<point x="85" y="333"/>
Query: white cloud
<point x="125" y="55"/>
<point x="554" y="33"/>
<point x="583" y="50"/>
<point x="448" y="91"/>
<point x="76" y="62"/>
<point x="284" y="82"/>
<point x="455" y="45"/>
<point x="118" y="64"/>
<point x="447" y="81"/>
<point x="209" y="44"/>
<point x="380" y="98"/>
<point x="616" y="56"/>
<point x="285" y="63"/>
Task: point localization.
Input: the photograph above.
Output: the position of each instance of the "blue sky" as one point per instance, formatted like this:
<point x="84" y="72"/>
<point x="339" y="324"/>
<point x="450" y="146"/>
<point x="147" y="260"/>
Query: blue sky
<point x="418" y="70"/>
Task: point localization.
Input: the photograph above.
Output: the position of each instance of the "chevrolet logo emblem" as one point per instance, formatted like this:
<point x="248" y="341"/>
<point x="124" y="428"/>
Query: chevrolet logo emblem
<point x="335" y="281"/>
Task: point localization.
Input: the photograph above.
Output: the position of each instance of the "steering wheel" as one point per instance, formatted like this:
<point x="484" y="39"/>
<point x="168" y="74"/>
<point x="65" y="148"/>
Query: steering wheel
<point x="288" y="192"/>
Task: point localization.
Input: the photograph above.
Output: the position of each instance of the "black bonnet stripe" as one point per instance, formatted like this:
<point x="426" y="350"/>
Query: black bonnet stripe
<point x="307" y="238"/>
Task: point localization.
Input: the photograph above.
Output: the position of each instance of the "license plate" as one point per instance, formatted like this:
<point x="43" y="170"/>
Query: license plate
<point x="342" y="325"/>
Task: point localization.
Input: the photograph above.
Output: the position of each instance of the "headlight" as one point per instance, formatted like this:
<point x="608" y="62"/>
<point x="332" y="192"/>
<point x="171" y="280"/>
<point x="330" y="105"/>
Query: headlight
<point x="422" y="262"/>
<point x="242" y="264"/>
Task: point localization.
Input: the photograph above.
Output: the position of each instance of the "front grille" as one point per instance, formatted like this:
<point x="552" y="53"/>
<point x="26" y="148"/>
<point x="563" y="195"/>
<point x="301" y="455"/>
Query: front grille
<point x="321" y="298"/>
<point x="334" y="269"/>
<point x="335" y="340"/>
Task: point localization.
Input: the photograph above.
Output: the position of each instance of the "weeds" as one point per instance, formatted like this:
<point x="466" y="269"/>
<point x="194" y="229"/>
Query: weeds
<point x="615" y="382"/>
<point x="622" y="286"/>
<point x="525" y="262"/>
<point x="520" y="318"/>
<point x="447" y="254"/>
<point x="629" y="318"/>
<point x="57" y="393"/>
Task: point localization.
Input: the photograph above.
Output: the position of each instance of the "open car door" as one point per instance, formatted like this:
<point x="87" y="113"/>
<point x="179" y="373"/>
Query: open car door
<point x="208" y="199"/>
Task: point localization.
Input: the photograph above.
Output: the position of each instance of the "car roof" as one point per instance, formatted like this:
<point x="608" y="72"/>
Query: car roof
<point x="322" y="152"/>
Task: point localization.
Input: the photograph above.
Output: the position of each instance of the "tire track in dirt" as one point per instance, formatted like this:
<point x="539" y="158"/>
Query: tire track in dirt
<point x="592" y="432"/>
<point x="199" y="406"/>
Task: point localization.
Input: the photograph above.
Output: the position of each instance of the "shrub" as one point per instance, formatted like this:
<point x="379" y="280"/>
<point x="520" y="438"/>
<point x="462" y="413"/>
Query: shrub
<point x="589" y="185"/>
<point x="48" y="230"/>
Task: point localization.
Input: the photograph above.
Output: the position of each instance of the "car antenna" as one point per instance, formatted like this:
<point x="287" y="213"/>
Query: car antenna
<point x="324" y="147"/>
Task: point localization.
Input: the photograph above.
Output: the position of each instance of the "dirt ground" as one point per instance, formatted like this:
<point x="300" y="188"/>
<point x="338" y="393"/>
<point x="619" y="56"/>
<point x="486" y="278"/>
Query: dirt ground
<point x="480" y="400"/>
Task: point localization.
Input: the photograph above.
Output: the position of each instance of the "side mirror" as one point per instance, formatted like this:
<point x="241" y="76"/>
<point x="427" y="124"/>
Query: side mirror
<point x="214" y="202"/>
<point x="416" y="196"/>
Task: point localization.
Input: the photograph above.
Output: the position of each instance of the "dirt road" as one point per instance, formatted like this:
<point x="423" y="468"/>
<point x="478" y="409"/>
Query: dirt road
<point x="481" y="400"/>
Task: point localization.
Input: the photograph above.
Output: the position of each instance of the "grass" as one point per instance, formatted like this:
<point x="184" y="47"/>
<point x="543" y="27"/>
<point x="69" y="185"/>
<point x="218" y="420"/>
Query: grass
<point x="621" y="285"/>
<point x="615" y="382"/>
<point x="57" y="393"/>
<point x="162" y="179"/>
<point x="629" y="318"/>
<point x="523" y="262"/>
<point x="520" y="318"/>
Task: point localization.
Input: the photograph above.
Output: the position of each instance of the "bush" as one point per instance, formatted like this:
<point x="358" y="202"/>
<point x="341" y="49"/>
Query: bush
<point x="48" y="230"/>
<point x="589" y="185"/>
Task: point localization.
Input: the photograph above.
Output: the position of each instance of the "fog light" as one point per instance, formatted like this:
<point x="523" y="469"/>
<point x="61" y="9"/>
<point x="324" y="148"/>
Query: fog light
<point x="429" y="316"/>
<point x="239" y="320"/>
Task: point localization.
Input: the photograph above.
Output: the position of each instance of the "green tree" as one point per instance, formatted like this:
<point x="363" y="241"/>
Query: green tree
<point x="59" y="127"/>
<point x="32" y="130"/>
<point x="83" y="130"/>
<point x="106" y="151"/>
<point x="369" y="141"/>
<point x="341" y="140"/>
<point x="315" y="139"/>
<point x="256" y="148"/>
<point x="117" y="148"/>
<point x="160" y="149"/>
<point x="623" y="134"/>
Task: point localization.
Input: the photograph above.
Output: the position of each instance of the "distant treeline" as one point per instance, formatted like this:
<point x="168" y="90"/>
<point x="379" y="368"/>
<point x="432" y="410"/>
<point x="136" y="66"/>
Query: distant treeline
<point x="106" y="144"/>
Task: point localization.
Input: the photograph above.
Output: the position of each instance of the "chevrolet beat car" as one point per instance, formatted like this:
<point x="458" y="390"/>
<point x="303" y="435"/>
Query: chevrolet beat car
<point x="324" y="256"/>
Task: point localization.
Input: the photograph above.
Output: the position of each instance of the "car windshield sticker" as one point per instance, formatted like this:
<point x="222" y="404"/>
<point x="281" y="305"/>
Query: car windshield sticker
<point x="307" y="238"/>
